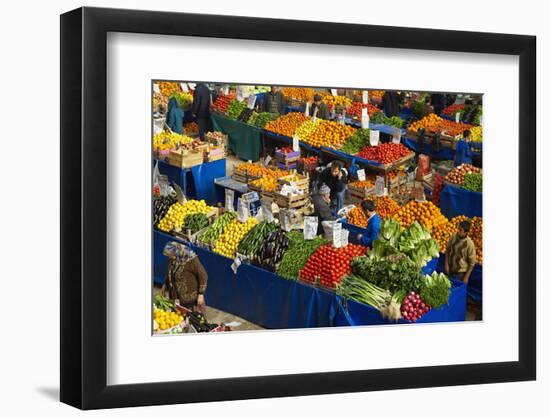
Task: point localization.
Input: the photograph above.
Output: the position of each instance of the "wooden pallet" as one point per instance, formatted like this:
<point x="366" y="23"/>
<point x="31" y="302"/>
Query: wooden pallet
<point x="240" y="177"/>
<point x="361" y="192"/>
<point x="185" y="159"/>
<point x="290" y="201"/>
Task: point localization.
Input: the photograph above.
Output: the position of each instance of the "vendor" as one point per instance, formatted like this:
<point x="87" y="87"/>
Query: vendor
<point x="463" y="150"/>
<point x="320" y="106"/>
<point x="390" y="103"/>
<point x="174" y="116"/>
<point x="274" y="101"/>
<point x="336" y="179"/>
<point x="186" y="278"/>
<point x="201" y="108"/>
<point x="373" y="224"/>
<point x="321" y="205"/>
<point x="460" y="256"/>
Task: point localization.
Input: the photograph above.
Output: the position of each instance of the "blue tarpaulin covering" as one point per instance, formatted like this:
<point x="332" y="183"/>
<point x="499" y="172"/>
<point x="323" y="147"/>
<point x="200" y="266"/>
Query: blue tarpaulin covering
<point x="270" y="301"/>
<point x="444" y="154"/>
<point x="455" y="201"/>
<point x="196" y="182"/>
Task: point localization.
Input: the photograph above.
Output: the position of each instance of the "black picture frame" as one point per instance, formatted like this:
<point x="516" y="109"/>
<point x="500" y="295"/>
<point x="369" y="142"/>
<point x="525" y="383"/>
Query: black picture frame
<point x="84" y="207"/>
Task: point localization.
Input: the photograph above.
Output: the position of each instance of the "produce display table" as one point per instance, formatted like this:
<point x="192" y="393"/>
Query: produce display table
<point x="268" y="135"/>
<point x="444" y="153"/>
<point x="455" y="201"/>
<point x="195" y="182"/>
<point x="227" y="182"/>
<point x="244" y="140"/>
<point x="270" y="301"/>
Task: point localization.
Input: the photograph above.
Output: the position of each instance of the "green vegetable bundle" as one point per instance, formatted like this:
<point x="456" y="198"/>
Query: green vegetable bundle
<point x="357" y="141"/>
<point x="415" y="242"/>
<point x="234" y="109"/>
<point x="183" y="100"/>
<point x="380" y="118"/>
<point x="298" y="252"/>
<point x="215" y="230"/>
<point x="362" y="291"/>
<point x="163" y="303"/>
<point x="393" y="273"/>
<point x="261" y="119"/>
<point x="195" y="222"/>
<point x="473" y="181"/>
<point x="254" y="239"/>
<point x="437" y="290"/>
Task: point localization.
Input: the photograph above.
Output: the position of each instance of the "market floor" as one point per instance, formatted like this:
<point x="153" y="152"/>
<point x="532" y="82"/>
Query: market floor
<point x="213" y="315"/>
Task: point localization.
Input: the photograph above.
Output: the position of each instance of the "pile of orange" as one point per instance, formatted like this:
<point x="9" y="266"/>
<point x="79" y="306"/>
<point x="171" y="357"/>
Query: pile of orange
<point x="286" y="125"/>
<point x="443" y="233"/>
<point x="258" y="170"/>
<point x="357" y="217"/>
<point x="386" y="206"/>
<point x="425" y="213"/>
<point x="434" y="123"/>
<point x="268" y="184"/>
<point x="330" y="134"/>
<point x="300" y="94"/>
<point x="362" y="184"/>
<point x="167" y="88"/>
<point x="376" y="94"/>
<point x="337" y="101"/>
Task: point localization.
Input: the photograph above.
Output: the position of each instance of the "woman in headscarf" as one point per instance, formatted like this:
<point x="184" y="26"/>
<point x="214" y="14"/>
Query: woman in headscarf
<point x="174" y="116"/>
<point x="186" y="278"/>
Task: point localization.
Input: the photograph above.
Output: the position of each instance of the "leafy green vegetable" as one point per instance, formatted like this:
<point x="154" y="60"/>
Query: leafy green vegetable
<point x="261" y="119"/>
<point x="357" y="141"/>
<point x="436" y="290"/>
<point x="195" y="222"/>
<point x="298" y="252"/>
<point x="381" y="118"/>
<point x="473" y="181"/>
<point x="234" y="109"/>
<point x="362" y="291"/>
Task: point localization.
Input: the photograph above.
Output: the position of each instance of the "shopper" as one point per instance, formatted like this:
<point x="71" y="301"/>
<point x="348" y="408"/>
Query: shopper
<point x="186" y="278"/>
<point x="460" y="256"/>
<point x="463" y="153"/>
<point x="201" y="108"/>
<point x="321" y="205"/>
<point x="439" y="102"/>
<point x="274" y="101"/>
<point x="390" y="103"/>
<point x="373" y="224"/>
<point x="174" y="116"/>
<point x="320" y="106"/>
<point x="336" y="179"/>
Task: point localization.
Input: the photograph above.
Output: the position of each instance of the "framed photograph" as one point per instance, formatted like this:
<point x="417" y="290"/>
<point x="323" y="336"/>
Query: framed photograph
<point x="279" y="208"/>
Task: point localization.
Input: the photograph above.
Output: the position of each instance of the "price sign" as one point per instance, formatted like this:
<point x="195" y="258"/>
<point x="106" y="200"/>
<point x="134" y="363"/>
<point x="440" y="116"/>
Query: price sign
<point x="396" y="135"/>
<point x="337" y="235"/>
<point x="225" y="90"/>
<point x="251" y="101"/>
<point x="361" y="174"/>
<point x="379" y="184"/>
<point x="296" y="144"/>
<point x="365" y="96"/>
<point x="310" y="227"/>
<point x="374" y="137"/>
<point x="334" y="92"/>
<point x="267" y="160"/>
<point x="266" y="210"/>
<point x="365" y="118"/>
<point x="243" y="212"/>
<point x="457" y="117"/>
<point x="315" y="113"/>
<point x="156" y="88"/>
<point x="306" y="111"/>
<point x="229" y="198"/>
<point x="236" y="263"/>
<point x="192" y="85"/>
<point x="184" y="87"/>
<point x="285" y="219"/>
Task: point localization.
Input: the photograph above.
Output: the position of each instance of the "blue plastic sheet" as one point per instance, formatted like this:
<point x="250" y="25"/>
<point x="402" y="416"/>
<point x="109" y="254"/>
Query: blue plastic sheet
<point x="455" y="201"/>
<point x="196" y="182"/>
<point x="444" y="154"/>
<point x="266" y="299"/>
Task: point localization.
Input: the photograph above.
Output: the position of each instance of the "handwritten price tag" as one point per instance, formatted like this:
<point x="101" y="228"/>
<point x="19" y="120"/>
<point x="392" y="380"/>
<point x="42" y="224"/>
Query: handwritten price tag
<point x="361" y="175"/>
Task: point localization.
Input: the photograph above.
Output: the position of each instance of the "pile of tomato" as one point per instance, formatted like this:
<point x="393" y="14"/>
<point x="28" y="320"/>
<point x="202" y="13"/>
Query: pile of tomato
<point x="222" y="102"/>
<point x="385" y="153"/>
<point x="355" y="109"/>
<point x="286" y="149"/>
<point x="330" y="264"/>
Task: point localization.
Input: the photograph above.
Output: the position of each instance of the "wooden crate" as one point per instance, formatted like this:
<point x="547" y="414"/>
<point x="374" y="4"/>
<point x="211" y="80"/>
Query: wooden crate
<point x="185" y="159"/>
<point x="240" y="177"/>
<point x="290" y="201"/>
<point x="302" y="182"/>
<point x="361" y="192"/>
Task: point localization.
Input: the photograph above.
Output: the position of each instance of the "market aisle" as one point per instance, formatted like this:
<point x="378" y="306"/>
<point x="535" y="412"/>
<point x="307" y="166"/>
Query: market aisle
<point x="214" y="315"/>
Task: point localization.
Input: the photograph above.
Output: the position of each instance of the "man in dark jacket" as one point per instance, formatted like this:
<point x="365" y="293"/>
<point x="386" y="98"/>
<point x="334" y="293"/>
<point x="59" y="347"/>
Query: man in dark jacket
<point x="274" y="101"/>
<point x="201" y="108"/>
<point x="335" y="178"/>
<point x="390" y="103"/>
<point x="321" y="205"/>
<point x="322" y="108"/>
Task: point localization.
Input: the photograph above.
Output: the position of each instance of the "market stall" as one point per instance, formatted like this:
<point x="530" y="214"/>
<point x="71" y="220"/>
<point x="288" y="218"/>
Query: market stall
<point x="244" y="140"/>
<point x="196" y="181"/>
